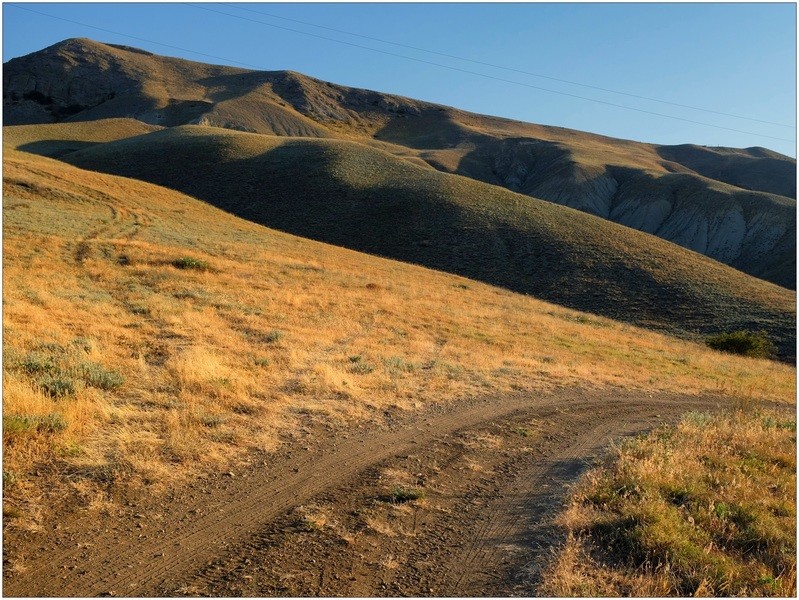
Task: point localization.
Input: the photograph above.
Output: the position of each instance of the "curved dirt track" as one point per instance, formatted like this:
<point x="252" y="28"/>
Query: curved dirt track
<point x="312" y="520"/>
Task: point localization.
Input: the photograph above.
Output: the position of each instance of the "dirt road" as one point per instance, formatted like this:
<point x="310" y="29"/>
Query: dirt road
<point x="451" y="501"/>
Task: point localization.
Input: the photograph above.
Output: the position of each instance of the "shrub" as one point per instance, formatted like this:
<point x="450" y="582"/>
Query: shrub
<point x="359" y="366"/>
<point x="187" y="262"/>
<point x="36" y="363"/>
<point x="56" y="386"/>
<point x="273" y="336"/>
<point x="401" y="495"/>
<point x="98" y="376"/>
<point x="745" y="343"/>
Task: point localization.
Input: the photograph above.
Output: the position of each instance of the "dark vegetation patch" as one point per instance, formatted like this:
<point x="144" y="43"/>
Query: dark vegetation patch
<point x="746" y="343"/>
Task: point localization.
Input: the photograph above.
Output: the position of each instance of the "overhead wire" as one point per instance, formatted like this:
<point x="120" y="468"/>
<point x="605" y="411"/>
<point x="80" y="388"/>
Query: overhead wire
<point x="133" y="37"/>
<point x="505" y="68"/>
<point x="449" y="67"/>
<point x="486" y="76"/>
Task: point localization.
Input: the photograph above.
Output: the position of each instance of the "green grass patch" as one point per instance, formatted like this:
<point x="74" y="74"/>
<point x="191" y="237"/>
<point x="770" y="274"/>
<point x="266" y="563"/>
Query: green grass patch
<point x="190" y="263"/>
<point x="359" y="366"/>
<point x="273" y="336"/>
<point x="60" y="372"/>
<point x="745" y="343"/>
<point x="401" y="495"/>
<point x="19" y="425"/>
<point x="96" y="375"/>
<point x="706" y="508"/>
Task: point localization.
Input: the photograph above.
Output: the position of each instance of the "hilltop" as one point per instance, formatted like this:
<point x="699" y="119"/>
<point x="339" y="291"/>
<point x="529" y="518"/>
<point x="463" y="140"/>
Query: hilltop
<point x="736" y="206"/>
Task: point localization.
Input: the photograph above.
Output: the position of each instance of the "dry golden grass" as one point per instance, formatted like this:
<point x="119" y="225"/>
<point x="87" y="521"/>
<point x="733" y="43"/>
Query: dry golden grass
<point x="120" y="365"/>
<point x="706" y="509"/>
<point x="348" y="195"/>
<point x="58" y="138"/>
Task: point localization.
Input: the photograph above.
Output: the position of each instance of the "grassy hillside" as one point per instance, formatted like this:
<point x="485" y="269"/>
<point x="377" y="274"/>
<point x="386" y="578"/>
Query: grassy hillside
<point x="148" y="335"/>
<point x="55" y="140"/>
<point x="351" y="195"/>
<point x="704" y="509"/>
<point x="729" y="204"/>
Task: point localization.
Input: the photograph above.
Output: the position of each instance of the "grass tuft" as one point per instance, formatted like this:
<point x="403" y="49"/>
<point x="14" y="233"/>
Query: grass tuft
<point x="702" y="520"/>
<point x="18" y="425"/>
<point x="95" y="375"/>
<point x="188" y="262"/>
<point x="400" y="495"/>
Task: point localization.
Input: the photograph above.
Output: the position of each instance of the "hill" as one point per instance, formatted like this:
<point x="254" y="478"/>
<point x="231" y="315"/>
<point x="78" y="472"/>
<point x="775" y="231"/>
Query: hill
<point x="55" y="140"/>
<point x="147" y="334"/>
<point x="734" y="205"/>
<point x="351" y="195"/>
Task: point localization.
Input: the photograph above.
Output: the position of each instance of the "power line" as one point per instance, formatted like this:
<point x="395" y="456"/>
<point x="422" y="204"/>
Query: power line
<point x="133" y="37"/>
<point x="504" y="68"/>
<point x="492" y="77"/>
<point x="228" y="60"/>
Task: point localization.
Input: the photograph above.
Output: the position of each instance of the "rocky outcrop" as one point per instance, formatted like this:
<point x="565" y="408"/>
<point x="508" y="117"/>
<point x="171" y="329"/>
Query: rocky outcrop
<point x="61" y="81"/>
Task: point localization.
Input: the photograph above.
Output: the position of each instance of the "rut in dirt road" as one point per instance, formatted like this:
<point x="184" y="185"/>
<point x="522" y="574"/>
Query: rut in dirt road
<point x="94" y="557"/>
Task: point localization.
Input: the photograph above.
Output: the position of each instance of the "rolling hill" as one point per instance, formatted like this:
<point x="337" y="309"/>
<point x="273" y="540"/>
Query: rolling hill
<point x="734" y="205"/>
<point x="147" y="333"/>
<point x="352" y="195"/>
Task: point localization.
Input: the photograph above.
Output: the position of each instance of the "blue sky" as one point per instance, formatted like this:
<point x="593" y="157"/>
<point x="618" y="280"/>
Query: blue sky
<point x="731" y="58"/>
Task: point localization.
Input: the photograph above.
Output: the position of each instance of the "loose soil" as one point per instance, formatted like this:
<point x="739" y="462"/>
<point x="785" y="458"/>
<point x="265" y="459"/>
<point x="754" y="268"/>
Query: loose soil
<point x="330" y="513"/>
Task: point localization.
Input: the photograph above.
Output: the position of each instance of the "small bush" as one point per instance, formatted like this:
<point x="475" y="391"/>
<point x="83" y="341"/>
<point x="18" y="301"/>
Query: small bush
<point x="745" y="343"/>
<point x="98" y="376"/>
<point x="10" y="479"/>
<point x="37" y="363"/>
<point x="56" y="386"/>
<point x="187" y="262"/>
<point x="273" y="336"/>
<point x="397" y="364"/>
<point x="19" y="424"/>
<point x="359" y="366"/>
<point x="401" y="495"/>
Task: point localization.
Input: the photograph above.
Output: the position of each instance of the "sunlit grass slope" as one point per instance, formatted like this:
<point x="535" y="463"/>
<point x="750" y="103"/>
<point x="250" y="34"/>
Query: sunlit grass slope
<point x="351" y="195"/>
<point x="704" y="509"/>
<point x="57" y="139"/>
<point x="148" y="334"/>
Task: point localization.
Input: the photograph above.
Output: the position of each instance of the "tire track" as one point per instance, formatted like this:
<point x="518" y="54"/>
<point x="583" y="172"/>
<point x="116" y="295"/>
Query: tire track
<point x="518" y="517"/>
<point x="112" y="558"/>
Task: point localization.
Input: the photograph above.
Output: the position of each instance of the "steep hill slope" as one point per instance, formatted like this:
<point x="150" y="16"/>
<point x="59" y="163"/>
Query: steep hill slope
<point x="147" y="333"/>
<point x="733" y="205"/>
<point x="351" y="195"/>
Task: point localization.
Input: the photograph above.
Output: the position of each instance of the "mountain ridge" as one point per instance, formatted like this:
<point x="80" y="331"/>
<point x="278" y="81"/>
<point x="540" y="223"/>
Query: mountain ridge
<point x="689" y="195"/>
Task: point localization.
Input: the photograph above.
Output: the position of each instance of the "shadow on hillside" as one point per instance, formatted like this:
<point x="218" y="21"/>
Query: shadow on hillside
<point x="430" y="129"/>
<point x="415" y="223"/>
<point x="371" y="203"/>
<point x="749" y="170"/>
<point x="55" y="148"/>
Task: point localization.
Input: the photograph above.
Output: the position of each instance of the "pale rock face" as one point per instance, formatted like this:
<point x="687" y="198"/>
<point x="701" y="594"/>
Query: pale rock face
<point x="643" y="214"/>
<point x="726" y="233"/>
<point x="591" y="194"/>
<point x="686" y="226"/>
<point x="763" y="234"/>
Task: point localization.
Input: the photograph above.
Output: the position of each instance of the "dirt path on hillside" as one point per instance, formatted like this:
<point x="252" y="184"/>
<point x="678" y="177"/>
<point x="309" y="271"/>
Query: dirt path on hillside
<point x="334" y="517"/>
